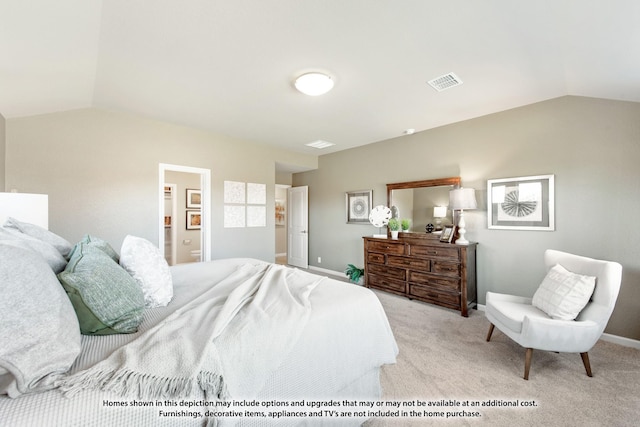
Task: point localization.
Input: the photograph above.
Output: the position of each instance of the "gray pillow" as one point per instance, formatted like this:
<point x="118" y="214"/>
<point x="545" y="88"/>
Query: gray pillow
<point x="62" y="245"/>
<point x="39" y="330"/>
<point x="50" y="254"/>
<point x="107" y="300"/>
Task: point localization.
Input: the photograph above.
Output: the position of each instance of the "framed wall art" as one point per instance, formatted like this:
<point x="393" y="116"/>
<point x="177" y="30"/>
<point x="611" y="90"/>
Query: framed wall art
<point x="358" y="206"/>
<point x="194" y="220"/>
<point x="525" y="203"/>
<point x="281" y="212"/>
<point x="194" y="199"/>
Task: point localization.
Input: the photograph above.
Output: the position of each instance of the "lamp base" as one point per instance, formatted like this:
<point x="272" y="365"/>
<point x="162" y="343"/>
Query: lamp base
<point x="461" y="230"/>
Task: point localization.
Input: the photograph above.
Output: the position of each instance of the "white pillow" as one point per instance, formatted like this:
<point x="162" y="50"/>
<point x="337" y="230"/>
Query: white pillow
<point x="143" y="260"/>
<point x="563" y="294"/>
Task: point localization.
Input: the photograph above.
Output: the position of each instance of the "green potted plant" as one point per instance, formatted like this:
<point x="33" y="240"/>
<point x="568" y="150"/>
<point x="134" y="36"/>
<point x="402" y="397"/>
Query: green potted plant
<point x="354" y="273"/>
<point x="394" y="227"/>
<point x="405" y="224"/>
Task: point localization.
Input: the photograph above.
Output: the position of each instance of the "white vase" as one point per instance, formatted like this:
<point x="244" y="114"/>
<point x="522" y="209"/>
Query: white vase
<point x="394" y="234"/>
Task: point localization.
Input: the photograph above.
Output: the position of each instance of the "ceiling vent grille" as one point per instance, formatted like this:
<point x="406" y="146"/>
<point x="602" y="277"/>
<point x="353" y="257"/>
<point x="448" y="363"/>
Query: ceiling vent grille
<point x="445" y="82"/>
<point x="319" y="144"/>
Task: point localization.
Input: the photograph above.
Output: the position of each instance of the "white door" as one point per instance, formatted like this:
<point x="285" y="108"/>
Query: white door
<point x="298" y="231"/>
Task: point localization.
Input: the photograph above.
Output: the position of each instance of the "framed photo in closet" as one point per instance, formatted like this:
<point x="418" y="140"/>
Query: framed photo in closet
<point x="194" y="199"/>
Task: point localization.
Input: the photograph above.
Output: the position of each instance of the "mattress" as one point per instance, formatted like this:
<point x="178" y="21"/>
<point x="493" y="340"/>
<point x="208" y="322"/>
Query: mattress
<point x="338" y="356"/>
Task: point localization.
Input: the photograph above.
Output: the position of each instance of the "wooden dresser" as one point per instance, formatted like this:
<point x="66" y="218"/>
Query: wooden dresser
<point x="420" y="267"/>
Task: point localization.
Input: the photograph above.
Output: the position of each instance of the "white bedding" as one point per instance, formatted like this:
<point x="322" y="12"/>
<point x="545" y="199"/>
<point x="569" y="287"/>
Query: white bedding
<point x="345" y="341"/>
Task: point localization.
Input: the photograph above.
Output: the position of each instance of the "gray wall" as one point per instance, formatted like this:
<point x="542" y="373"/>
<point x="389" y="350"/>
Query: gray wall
<point x="2" y="152"/>
<point x="591" y="145"/>
<point x="101" y="171"/>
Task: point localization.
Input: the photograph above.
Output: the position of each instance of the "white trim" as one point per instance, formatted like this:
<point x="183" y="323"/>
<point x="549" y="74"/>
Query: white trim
<point x="327" y="271"/>
<point x="174" y="223"/>
<point x="623" y="341"/>
<point x="205" y="187"/>
<point x="627" y="342"/>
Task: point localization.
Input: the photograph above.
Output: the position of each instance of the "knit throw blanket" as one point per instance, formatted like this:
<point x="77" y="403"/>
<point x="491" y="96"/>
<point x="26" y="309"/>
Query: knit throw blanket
<point x="266" y="307"/>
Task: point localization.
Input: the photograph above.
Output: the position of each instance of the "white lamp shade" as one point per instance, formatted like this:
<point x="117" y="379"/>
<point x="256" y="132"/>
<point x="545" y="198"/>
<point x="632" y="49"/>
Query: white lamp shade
<point x="314" y="84"/>
<point x="462" y="198"/>
<point x="439" y="211"/>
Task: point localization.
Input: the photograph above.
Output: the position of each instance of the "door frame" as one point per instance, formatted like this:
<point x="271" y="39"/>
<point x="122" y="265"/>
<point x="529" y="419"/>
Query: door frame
<point x="174" y="225"/>
<point x="205" y="188"/>
<point x="303" y="262"/>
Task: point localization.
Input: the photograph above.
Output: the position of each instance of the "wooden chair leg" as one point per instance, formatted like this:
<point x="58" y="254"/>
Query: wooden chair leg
<point x="527" y="363"/>
<point x="585" y="361"/>
<point x="491" y="326"/>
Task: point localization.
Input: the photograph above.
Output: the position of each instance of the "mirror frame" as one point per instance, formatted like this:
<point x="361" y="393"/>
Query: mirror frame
<point x="451" y="181"/>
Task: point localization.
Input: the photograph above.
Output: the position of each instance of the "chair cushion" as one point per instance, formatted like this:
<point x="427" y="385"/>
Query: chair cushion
<point x="563" y="294"/>
<point x="510" y="314"/>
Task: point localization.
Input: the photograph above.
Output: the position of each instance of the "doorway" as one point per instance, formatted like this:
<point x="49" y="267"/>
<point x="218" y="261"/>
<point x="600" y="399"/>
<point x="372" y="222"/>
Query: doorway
<point x="298" y="226"/>
<point x="281" y="223"/>
<point x="196" y="212"/>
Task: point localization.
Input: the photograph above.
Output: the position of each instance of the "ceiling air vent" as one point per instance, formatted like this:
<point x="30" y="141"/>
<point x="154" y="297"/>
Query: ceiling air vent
<point x="319" y="144"/>
<point x="445" y="82"/>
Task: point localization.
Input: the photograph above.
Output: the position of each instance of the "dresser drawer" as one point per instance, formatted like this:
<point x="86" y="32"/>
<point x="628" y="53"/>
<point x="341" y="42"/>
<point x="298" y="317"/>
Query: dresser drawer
<point x="451" y="284"/>
<point x="434" y="295"/>
<point x="446" y="268"/>
<point x="386" y="247"/>
<point x="375" y="258"/>
<point x="384" y="283"/>
<point x="434" y="252"/>
<point x="383" y="270"/>
<point x="417" y="263"/>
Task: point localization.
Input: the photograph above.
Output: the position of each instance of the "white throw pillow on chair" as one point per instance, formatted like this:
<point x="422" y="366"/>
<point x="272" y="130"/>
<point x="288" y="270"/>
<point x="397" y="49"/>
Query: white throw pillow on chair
<point x="563" y="294"/>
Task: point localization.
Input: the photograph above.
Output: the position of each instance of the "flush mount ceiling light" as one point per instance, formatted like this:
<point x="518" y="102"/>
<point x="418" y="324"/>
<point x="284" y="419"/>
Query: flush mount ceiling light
<point x="314" y="84"/>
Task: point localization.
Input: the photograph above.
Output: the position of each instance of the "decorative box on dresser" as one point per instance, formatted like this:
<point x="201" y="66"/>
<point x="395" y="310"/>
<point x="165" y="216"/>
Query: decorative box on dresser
<point x="419" y="266"/>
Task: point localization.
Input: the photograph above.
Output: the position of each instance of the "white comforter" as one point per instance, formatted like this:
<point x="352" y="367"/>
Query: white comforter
<point x="346" y="338"/>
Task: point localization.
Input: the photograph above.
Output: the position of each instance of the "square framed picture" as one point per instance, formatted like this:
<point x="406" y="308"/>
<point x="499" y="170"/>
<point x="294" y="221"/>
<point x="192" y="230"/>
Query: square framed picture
<point x="447" y="233"/>
<point x="358" y="206"/>
<point x="524" y="203"/>
<point x="194" y="220"/>
<point x="194" y="199"/>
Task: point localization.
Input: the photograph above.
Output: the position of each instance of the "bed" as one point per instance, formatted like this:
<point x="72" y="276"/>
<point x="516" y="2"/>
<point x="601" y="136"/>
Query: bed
<point x="326" y="345"/>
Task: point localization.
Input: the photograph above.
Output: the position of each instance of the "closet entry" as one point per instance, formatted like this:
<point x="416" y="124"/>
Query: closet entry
<point x="184" y="214"/>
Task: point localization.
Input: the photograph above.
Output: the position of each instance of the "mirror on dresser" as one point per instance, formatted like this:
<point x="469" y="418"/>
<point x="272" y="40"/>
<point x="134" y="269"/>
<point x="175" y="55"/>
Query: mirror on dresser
<point x="416" y="200"/>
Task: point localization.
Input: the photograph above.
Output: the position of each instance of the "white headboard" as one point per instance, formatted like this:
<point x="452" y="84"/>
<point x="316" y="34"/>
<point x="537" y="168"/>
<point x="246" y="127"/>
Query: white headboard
<point x="31" y="208"/>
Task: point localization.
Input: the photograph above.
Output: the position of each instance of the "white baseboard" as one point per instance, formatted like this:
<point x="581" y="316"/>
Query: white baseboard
<point x="627" y="342"/>
<point x="327" y="271"/>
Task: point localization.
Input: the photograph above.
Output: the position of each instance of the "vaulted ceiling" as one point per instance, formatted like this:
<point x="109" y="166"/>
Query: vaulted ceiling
<point x="228" y="65"/>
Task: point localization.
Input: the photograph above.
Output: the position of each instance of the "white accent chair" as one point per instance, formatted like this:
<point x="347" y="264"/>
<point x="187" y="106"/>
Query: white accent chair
<point x="530" y="327"/>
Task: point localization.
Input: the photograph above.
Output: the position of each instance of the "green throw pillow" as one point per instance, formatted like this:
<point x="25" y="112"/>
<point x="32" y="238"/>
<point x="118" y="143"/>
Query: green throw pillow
<point x="103" y="245"/>
<point x="107" y="300"/>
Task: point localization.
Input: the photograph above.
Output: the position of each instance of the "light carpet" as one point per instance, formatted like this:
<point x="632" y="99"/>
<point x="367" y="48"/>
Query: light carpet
<point x="444" y="356"/>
